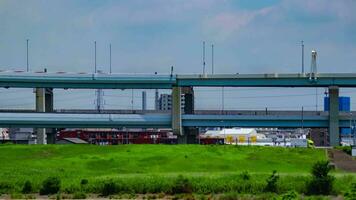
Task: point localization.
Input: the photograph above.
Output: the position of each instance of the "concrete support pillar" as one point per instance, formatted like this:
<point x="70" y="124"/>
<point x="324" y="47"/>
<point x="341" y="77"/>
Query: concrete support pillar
<point x="44" y="103"/>
<point x="41" y="107"/>
<point x="188" y="100"/>
<point x="176" y="111"/>
<point x="189" y="133"/>
<point x="334" y="134"/>
<point x="51" y="136"/>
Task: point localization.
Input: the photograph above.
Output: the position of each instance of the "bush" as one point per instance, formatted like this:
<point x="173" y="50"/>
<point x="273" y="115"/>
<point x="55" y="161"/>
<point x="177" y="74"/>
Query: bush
<point x="109" y="188"/>
<point x="182" y="185"/>
<point x="321" y="182"/>
<point x="272" y="182"/>
<point x="346" y="149"/>
<point x="84" y="182"/>
<point x="292" y="195"/>
<point x="27" y="187"/>
<point x="51" y="185"/>
<point x="79" y="195"/>
<point x="351" y="195"/>
<point x="245" y="175"/>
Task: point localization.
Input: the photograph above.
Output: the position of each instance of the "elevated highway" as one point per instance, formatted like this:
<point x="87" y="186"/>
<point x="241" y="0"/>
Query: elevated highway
<point x="147" y="81"/>
<point x="275" y="119"/>
<point x="179" y="83"/>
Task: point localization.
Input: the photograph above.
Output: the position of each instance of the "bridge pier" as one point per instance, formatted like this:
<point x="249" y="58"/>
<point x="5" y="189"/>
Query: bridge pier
<point x="186" y="135"/>
<point x="44" y="103"/>
<point x="176" y="111"/>
<point x="334" y="131"/>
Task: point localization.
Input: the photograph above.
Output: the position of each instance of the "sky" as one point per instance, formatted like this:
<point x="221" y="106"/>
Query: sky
<point x="149" y="36"/>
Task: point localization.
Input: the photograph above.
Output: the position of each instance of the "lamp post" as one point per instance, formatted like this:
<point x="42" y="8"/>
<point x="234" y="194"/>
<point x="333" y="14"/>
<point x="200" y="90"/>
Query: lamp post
<point x="27" y="68"/>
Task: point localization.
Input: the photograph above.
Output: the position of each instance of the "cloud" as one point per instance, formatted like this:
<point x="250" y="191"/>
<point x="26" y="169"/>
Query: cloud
<point x="340" y="10"/>
<point x="225" y="25"/>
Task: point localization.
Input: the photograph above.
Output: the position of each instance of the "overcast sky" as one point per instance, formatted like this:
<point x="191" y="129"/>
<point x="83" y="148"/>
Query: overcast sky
<point x="152" y="35"/>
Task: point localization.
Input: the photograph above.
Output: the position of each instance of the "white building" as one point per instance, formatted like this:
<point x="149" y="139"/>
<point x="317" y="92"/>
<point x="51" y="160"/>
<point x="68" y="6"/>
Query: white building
<point x="233" y="135"/>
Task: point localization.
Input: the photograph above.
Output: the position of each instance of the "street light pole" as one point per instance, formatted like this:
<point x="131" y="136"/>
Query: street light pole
<point x="302" y="57"/>
<point x="110" y="58"/>
<point x="94" y="56"/>
<point x="27" y="69"/>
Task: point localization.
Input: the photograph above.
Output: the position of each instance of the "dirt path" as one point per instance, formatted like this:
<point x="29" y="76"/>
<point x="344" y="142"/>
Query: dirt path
<point x="342" y="160"/>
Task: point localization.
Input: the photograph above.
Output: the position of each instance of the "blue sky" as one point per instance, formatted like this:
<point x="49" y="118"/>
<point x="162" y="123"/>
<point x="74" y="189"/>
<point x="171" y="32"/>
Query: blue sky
<point x="152" y="35"/>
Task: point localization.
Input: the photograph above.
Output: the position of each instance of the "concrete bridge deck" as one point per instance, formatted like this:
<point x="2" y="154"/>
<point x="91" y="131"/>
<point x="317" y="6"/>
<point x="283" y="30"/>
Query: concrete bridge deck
<point x="152" y="81"/>
<point x="162" y="120"/>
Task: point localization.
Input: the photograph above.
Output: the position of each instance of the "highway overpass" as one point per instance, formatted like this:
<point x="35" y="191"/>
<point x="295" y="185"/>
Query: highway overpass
<point x="180" y="83"/>
<point x="274" y="119"/>
<point x="152" y="81"/>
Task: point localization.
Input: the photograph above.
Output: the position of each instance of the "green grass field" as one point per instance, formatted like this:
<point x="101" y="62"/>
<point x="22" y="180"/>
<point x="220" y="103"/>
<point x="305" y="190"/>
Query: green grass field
<point x="84" y="161"/>
<point x="152" y="168"/>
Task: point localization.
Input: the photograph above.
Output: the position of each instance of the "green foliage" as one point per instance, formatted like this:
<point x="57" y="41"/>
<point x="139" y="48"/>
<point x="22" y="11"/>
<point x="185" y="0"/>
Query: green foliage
<point x="27" y="187"/>
<point x="229" y="196"/>
<point x="272" y="182"/>
<point x="346" y="149"/>
<point x="84" y="182"/>
<point x="154" y="169"/>
<point x="292" y="195"/>
<point x="16" y="196"/>
<point x="321" y="182"/>
<point x="182" y="185"/>
<point x="6" y="187"/>
<point x="351" y="194"/>
<point x="245" y="175"/>
<point x="79" y="195"/>
<point x="109" y="188"/>
<point x="51" y="185"/>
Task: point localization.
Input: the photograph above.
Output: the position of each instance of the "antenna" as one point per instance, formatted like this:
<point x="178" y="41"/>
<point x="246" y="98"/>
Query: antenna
<point x="212" y="59"/>
<point x="94" y="56"/>
<point x="203" y="57"/>
<point x="302" y="57"/>
<point x="110" y="59"/>
<point x="27" y="69"/>
<point x="171" y="71"/>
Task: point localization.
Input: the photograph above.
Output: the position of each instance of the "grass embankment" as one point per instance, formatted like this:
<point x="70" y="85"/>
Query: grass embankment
<point x="156" y="168"/>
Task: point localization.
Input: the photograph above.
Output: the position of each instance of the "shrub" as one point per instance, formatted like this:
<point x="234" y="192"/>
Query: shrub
<point x="27" y="187"/>
<point x="351" y="195"/>
<point x="16" y="196"/>
<point x="272" y="182"/>
<point x="84" y="182"/>
<point x="182" y="185"/>
<point x="245" y="175"/>
<point x="6" y="187"/>
<point x="346" y="149"/>
<point x="321" y="182"/>
<point x="79" y="195"/>
<point x="109" y="188"/>
<point x="51" y="185"/>
<point x="292" y="195"/>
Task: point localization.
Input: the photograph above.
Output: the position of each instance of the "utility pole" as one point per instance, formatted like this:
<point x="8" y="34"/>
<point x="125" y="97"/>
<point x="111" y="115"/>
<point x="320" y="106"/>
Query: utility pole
<point x="132" y="100"/>
<point x="204" y="58"/>
<point x="222" y="99"/>
<point x="94" y="56"/>
<point x="27" y="69"/>
<point x="110" y="59"/>
<point x="302" y="57"/>
<point x="212" y="59"/>
<point x="303" y="119"/>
